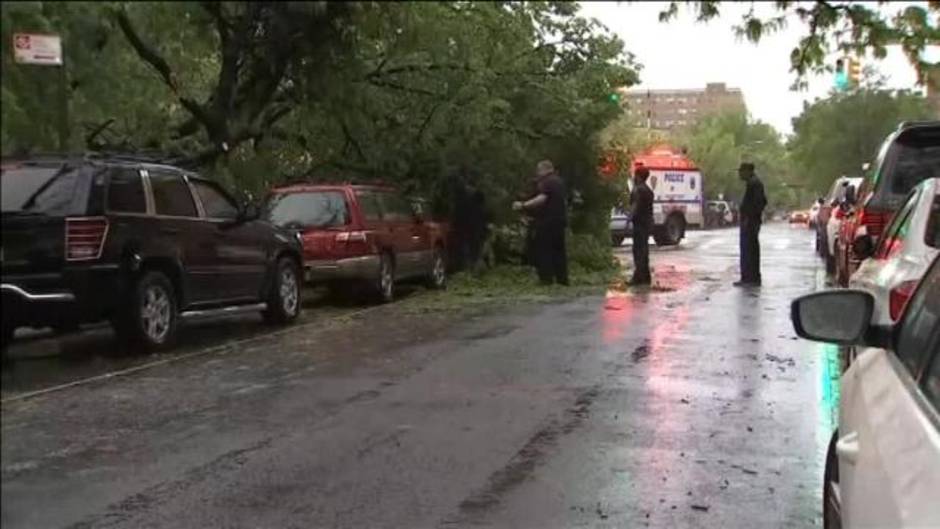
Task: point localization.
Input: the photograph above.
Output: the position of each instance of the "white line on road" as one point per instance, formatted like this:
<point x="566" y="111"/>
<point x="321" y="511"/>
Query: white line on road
<point x="179" y="358"/>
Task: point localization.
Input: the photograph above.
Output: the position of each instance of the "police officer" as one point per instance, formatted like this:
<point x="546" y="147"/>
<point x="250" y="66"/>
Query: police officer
<point x="641" y="214"/>
<point x="751" y="212"/>
<point x="549" y="209"/>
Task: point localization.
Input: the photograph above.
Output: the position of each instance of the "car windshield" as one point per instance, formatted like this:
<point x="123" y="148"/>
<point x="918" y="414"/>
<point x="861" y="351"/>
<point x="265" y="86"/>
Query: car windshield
<point x="915" y="158"/>
<point x="47" y="189"/>
<point x="317" y="209"/>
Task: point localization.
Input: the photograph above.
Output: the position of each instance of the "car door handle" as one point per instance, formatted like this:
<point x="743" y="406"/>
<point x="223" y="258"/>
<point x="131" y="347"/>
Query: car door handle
<point x="170" y="231"/>
<point x="847" y="448"/>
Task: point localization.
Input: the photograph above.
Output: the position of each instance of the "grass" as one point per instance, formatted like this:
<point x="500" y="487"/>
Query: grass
<point x="510" y="285"/>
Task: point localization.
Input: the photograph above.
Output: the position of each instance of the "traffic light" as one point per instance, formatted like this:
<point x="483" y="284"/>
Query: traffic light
<point x="855" y="71"/>
<point x="842" y="78"/>
<point x="613" y="97"/>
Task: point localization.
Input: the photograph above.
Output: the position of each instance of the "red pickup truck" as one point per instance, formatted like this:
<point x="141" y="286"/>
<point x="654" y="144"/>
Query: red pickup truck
<point x="360" y="234"/>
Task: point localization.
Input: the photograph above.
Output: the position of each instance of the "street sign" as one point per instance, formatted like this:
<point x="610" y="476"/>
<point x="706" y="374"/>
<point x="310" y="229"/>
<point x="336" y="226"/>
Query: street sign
<point x="35" y="48"/>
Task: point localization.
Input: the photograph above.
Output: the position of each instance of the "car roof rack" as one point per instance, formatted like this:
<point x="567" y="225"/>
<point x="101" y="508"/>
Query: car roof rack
<point x="154" y="157"/>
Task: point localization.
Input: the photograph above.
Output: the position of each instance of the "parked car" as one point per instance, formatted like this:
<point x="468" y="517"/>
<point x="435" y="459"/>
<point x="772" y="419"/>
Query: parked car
<point x="883" y="463"/>
<point x="814" y="213"/>
<point x="908" y="156"/>
<point x="835" y="197"/>
<point x="620" y="226"/>
<point x="718" y="214"/>
<point x="366" y="235"/>
<point x="138" y="243"/>
<point x="891" y="270"/>
<point x="799" y="217"/>
<point x="840" y="206"/>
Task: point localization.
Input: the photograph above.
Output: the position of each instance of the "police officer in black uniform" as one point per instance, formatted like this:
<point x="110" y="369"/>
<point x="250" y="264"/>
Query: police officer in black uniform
<point x="641" y="214"/>
<point x="550" y="216"/>
<point x="751" y="214"/>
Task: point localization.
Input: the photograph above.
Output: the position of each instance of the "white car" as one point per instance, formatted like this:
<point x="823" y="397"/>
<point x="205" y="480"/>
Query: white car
<point x="907" y="247"/>
<point x="839" y="209"/>
<point x="883" y="463"/>
<point x="814" y="213"/>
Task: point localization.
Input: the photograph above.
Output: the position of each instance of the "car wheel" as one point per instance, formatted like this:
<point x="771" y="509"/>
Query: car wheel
<point x="284" y="296"/>
<point x="385" y="282"/>
<point x="832" y="507"/>
<point x="437" y="277"/>
<point x="671" y="233"/>
<point x="150" y="321"/>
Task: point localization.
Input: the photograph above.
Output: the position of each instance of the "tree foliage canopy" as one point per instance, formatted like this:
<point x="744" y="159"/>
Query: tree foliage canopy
<point x="264" y="92"/>
<point x="848" y="27"/>
<point x="835" y="136"/>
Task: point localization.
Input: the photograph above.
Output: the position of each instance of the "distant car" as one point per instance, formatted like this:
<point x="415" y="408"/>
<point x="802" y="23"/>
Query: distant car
<point x="904" y="252"/>
<point x="365" y="235"/>
<point x="137" y="243"/>
<point x="838" y="193"/>
<point x="814" y="213"/>
<point x="620" y="226"/>
<point x="718" y="214"/>
<point x="842" y="201"/>
<point x="883" y="463"/>
<point x="909" y="155"/>
<point x="799" y="217"/>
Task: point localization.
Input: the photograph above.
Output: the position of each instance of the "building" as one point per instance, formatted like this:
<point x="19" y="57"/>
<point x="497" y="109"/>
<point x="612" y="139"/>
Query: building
<point x="675" y="109"/>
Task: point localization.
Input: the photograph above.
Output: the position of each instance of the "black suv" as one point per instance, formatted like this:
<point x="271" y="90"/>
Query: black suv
<point x="138" y="243"/>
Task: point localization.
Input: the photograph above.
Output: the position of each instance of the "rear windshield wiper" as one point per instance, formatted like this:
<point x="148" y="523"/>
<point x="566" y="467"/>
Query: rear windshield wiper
<point x="31" y="201"/>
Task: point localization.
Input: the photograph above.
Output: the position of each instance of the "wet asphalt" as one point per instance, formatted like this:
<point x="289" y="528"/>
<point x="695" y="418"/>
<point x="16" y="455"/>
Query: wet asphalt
<point x="691" y="404"/>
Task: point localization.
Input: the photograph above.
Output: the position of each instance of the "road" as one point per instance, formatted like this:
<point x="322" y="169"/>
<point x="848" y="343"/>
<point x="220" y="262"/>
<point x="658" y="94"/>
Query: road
<point x="688" y="405"/>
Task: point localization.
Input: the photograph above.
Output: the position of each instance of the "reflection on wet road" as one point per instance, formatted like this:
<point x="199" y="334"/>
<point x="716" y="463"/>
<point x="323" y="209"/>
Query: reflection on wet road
<point x="689" y="404"/>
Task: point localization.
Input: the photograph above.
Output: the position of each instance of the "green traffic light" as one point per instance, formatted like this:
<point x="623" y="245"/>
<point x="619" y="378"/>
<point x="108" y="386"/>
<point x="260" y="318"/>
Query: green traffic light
<point x="614" y="97"/>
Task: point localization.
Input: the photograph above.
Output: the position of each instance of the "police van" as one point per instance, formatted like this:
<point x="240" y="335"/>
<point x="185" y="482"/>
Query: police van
<point x="678" y="197"/>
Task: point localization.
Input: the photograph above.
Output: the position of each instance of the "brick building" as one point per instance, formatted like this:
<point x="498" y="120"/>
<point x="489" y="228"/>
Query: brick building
<point x="674" y="109"/>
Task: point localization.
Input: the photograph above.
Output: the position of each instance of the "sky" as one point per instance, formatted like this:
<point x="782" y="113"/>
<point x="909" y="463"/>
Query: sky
<point x="687" y="54"/>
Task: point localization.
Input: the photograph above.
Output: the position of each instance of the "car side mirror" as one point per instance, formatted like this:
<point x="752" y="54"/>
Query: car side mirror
<point x="834" y="316"/>
<point x="863" y="246"/>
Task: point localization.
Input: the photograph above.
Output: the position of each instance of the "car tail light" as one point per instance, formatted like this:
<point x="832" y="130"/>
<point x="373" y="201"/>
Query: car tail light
<point x="899" y="297"/>
<point x="84" y="237"/>
<point x="875" y="221"/>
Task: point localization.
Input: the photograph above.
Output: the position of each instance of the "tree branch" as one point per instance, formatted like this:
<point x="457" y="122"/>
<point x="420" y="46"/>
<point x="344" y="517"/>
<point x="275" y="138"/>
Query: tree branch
<point x="151" y="57"/>
<point x="96" y="131"/>
<point x="231" y="58"/>
<point x="402" y="88"/>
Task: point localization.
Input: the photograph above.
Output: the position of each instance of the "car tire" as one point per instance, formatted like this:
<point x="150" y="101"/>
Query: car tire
<point x="150" y="319"/>
<point x="831" y="509"/>
<point x="384" y="284"/>
<point x="671" y="232"/>
<point x="437" y="276"/>
<point x="284" y="297"/>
